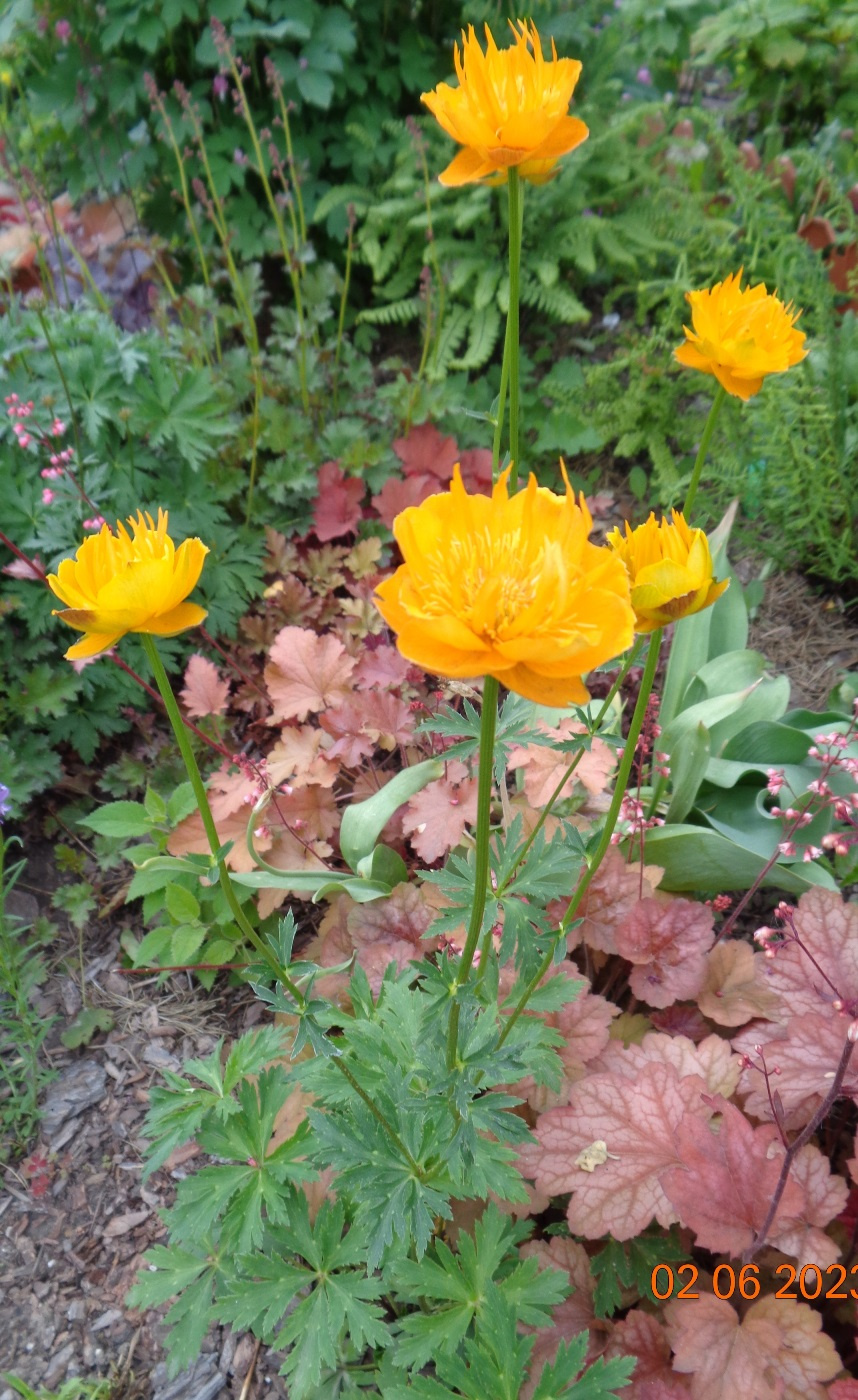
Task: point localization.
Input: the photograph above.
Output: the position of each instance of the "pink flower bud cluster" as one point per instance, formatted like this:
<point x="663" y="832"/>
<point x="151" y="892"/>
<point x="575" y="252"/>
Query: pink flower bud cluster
<point x="256" y="774"/>
<point x="18" y="411"/>
<point x="633" y="820"/>
<point x="830" y="751"/>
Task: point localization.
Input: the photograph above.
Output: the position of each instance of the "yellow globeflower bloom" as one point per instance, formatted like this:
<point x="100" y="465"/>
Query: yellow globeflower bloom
<point x="122" y="583"/>
<point x="508" y="587"/>
<point x="740" y="336"/>
<point x="510" y="108"/>
<point x="669" y="568"/>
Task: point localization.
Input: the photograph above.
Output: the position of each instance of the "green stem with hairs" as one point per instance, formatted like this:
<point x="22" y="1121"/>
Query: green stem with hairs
<point x="515" y="224"/>
<point x="488" y="725"/>
<point x="611" y="819"/>
<point x="709" y="429"/>
<point x="499" y="421"/>
<point x="190" y="762"/>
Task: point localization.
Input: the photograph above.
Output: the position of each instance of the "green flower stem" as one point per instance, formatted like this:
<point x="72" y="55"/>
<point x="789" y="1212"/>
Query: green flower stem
<point x="377" y="1113"/>
<point x="504" y="383"/>
<point x="608" y="829"/>
<point x="200" y="794"/>
<point x="481" y="853"/>
<point x="691" y="493"/>
<point x="546" y="811"/>
<point x="515" y="224"/>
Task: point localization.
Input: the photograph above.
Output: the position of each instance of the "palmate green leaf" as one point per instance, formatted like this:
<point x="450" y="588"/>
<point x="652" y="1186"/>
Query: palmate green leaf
<point x="188" y="414"/>
<point x="191" y="1275"/>
<point x="176" y="1114"/>
<point x="341" y="1302"/>
<point x="238" y="1194"/>
<point x="599" y="1382"/>
<point x="495" y="1359"/>
<point x="463" y="1281"/>
<point x="390" y="1203"/>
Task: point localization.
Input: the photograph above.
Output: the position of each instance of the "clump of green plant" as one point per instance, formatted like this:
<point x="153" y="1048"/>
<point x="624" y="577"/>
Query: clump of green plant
<point x="794" y="65"/>
<point x="23" y="1031"/>
<point x="75" y="1388"/>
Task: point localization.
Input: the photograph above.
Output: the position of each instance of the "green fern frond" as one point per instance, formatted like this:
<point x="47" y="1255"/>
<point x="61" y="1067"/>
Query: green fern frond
<point x="482" y="339"/>
<point x="395" y="313"/>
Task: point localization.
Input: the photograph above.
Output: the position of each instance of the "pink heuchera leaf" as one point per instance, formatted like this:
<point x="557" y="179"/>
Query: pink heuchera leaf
<point x="231" y="799"/>
<point x="668" y="940"/>
<point x="310" y="812"/>
<point x="26" y="568"/>
<point x="306" y="673"/>
<point x="641" y="1335"/>
<point x="777" y="1351"/>
<point x="615" y="890"/>
<point x="381" y="668"/>
<point x="681" y="1020"/>
<point x="825" y="1197"/>
<point x="724" y="1187"/>
<point x="381" y="932"/>
<point x="734" y="989"/>
<point x="425" y="450"/>
<point x="370" y="720"/>
<point x="829" y="930"/>
<point x="805" y="1053"/>
<point x="436" y="817"/>
<point x="301" y="755"/>
<point x="337" y="507"/>
<point x="543" y="766"/>
<point x="637" y="1120"/>
<point x="711" y="1060"/>
<point x="398" y="493"/>
<point x="476" y="467"/>
<point x="204" y="691"/>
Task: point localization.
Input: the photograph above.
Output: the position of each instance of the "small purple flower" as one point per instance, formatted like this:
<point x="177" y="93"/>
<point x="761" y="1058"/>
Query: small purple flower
<point x="5" y="801"/>
<point x="239" y="157"/>
<point x="644" y="76"/>
<point x="62" y="29"/>
<point x="220" y="87"/>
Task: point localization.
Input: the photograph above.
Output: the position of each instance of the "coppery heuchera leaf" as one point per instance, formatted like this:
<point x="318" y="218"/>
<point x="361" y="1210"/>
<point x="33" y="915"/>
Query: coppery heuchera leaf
<point x="776" y="1352"/>
<point x="205" y="692"/>
<point x="828" y="927"/>
<point x="637" y="1121"/>
<point x="735" y="988"/>
<point x="724" y="1187"/>
<point x="667" y="940"/>
<point x="306" y="673"/>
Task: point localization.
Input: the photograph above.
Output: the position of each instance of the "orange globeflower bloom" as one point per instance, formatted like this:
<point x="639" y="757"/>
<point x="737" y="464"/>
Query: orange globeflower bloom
<point x="508" y="587"/>
<point x="117" y="584"/>
<point x="740" y="336"/>
<point x="669" y="568"/>
<point x="510" y="109"/>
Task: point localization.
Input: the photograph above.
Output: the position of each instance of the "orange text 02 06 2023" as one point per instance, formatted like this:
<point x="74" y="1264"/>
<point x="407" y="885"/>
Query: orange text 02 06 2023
<point x="808" y="1282"/>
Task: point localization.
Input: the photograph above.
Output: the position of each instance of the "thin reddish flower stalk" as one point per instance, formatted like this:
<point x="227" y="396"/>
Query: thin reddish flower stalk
<point x="230" y="661"/>
<point x="180" y="967"/>
<point x="804" y="1137"/>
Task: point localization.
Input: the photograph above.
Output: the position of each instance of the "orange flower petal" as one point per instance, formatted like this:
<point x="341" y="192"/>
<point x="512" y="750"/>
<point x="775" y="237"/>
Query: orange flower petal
<point x="740" y="336"/>
<point x="507" y="587"/>
<point x="129" y="582"/>
<point x="510" y="109"/>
